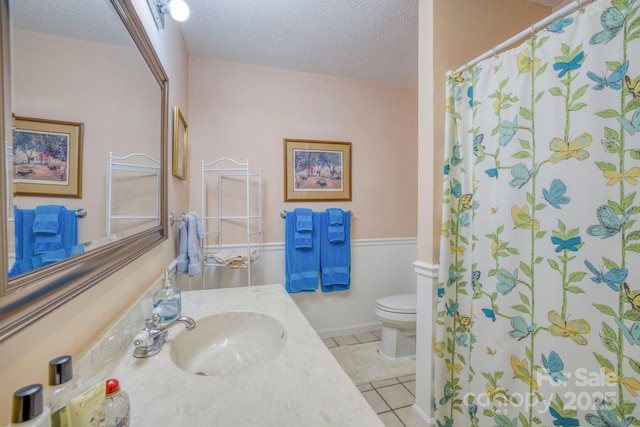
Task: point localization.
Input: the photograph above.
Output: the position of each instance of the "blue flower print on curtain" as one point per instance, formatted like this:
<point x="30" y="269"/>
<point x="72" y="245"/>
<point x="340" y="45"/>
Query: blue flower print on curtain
<point x="538" y="316"/>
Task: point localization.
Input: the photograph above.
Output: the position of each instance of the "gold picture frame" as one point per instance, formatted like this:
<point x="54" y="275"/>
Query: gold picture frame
<point x="47" y="157"/>
<point x="317" y="170"/>
<point x="180" y="141"/>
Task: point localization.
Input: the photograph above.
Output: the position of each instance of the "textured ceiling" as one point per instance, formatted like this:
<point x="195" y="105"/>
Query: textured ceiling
<point x="361" y="39"/>
<point x="89" y="20"/>
<point x="374" y="40"/>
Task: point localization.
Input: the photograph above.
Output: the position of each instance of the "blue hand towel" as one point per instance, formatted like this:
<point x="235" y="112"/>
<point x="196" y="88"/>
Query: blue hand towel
<point x="46" y="219"/>
<point x="302" y="266"/>
<point x="335" y="258"/>
<point x="47" y="243"/>
<point x="51" y="242"/>
<point x="304" y="219"/>
<point x="54" y="256"/>
<point x="335" y="225"/>
<point x="304" y="226"/>
<point x="335" y="216"/>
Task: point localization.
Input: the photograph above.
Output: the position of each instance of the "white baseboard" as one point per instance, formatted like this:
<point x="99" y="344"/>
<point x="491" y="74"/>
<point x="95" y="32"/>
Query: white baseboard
<point x="350" y="330"/>
<point x="421" y="418"/>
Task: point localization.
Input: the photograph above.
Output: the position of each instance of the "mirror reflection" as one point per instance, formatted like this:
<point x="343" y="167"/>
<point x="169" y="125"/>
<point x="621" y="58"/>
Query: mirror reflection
<point x="84" y="164"/>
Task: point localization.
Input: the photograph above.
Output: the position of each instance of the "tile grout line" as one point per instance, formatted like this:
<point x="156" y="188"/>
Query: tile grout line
<point x="353" y="340"/>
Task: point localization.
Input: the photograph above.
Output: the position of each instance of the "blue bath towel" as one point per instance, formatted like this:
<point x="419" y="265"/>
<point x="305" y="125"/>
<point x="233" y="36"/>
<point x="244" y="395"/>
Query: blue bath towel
<point x="25" y="239"/>
<point x="302" y="265"/>
<point x="335" y="258"/>
<point x="25" y="266"/>
<point x="70" y="233"/>
<point x="303" y="238"/>
<point x="335" y="225"/>
<point x="35" y="250"/>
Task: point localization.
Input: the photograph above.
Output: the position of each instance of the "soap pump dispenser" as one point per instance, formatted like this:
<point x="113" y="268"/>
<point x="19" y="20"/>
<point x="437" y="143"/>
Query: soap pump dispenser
<point x="167" y="299"/>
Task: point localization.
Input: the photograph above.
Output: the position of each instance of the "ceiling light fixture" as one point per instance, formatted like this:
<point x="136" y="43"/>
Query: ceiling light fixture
<point x="178" y="9"/>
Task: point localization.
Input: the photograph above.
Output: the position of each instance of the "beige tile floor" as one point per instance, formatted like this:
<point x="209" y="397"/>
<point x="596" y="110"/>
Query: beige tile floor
<point x="392" y="398"/>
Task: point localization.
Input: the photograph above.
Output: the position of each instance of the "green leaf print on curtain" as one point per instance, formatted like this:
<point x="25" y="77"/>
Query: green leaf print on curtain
<point x="538" y="316"/>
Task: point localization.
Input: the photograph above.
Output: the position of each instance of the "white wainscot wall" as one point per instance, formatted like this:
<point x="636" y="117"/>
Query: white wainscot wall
<point x="379" y="267"/>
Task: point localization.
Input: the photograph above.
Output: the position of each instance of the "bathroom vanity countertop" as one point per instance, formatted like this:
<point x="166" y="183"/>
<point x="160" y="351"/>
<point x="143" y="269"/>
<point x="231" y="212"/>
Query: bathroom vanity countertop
<point x="303" y="386"/>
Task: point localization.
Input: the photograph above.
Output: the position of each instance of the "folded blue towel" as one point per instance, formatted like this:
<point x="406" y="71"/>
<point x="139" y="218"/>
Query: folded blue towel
<point x="335" y="225"/>
<point x="46" y="220"/>
<point x="54" y="256"/>
<point x="303" y="238"/>
<point x="45" y="224"/>
<point x="335" y="258"/>
<point x="47" y="243"/>
<point x="304" y="219"/>
<point x="302" y="266"/>
<point x="335" y="216"/>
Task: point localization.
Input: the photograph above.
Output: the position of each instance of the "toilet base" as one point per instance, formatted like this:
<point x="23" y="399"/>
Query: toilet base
<point x="397" y="344"/>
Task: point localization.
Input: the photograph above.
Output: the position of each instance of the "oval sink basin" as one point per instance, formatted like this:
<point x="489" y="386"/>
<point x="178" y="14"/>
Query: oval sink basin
<point x="227" y="343"/>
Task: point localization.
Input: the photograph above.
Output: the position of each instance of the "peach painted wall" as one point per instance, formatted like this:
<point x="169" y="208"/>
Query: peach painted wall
<point x="242" y="111"/>
<point x="75" y="325"/>
<point x="455" y="33"/>
<point x="71" y="80"/>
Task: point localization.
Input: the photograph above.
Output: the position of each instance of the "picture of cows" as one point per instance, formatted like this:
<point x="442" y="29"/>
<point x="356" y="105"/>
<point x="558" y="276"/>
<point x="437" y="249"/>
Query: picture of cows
<point x="318" y="170"/>
<point x="40" y="156"/>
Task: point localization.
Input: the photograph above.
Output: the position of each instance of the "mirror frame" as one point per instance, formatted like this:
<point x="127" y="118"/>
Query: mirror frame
<point x="34" y="295"/>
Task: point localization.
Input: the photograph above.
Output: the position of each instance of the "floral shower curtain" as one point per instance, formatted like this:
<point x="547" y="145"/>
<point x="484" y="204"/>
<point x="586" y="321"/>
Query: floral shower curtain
<point x="538" y="316"/>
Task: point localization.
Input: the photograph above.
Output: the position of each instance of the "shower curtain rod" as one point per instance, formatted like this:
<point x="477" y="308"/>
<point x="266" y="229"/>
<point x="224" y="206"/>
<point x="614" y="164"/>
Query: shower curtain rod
<point x="570" y="8"/>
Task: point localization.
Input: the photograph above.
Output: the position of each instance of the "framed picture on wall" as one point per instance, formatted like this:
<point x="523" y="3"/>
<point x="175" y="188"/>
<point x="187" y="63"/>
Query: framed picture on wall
<point x="47" y="157"/>
<point x="179" y="144"/>
<point x="317" y="170"/>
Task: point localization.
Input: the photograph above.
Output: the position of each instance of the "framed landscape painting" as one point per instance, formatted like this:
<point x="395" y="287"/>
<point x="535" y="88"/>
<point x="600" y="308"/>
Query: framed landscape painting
<point x="317" y="170"/>
<point x="47" y="157"/>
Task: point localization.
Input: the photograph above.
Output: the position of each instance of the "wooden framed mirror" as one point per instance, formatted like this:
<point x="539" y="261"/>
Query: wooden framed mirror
<point x="32" y="294"/>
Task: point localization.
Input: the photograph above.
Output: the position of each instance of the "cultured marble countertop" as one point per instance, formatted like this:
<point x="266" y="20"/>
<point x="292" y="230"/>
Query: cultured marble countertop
<point x="303" y="386"/>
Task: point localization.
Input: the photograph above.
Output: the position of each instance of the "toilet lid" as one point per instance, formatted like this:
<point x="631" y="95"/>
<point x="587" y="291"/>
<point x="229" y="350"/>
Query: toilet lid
<point x="403" y="303"/>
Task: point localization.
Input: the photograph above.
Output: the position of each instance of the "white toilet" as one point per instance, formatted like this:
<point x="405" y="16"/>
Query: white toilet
<point x="398" y="316"/>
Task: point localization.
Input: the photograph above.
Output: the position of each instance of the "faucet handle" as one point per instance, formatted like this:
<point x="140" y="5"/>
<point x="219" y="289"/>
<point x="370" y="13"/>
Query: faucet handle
<point x="143" y="339"/>
<point x="149" y="324"/>
<point x="153" y="322"/>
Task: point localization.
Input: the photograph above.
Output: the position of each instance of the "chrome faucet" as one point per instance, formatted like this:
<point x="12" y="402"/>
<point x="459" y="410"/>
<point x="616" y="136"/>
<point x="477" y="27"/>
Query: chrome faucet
<point x="150" y="340"/>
